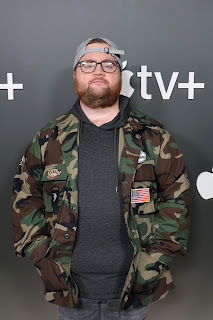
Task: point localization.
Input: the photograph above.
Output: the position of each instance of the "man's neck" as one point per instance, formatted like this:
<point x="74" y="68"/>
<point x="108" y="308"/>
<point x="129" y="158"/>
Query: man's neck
<point x="99" y="116"/>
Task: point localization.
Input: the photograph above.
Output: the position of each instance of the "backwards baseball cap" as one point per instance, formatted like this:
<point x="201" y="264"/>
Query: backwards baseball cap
<point x="82" y="50"/>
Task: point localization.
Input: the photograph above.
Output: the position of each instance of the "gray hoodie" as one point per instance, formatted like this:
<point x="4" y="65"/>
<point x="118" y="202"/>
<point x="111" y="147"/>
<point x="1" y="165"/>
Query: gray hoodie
<point x="102" y="253"/>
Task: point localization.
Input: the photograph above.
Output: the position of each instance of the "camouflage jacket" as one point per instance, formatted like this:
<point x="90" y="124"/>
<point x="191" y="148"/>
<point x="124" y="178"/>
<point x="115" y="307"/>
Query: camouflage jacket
<point x="44" y="229"/>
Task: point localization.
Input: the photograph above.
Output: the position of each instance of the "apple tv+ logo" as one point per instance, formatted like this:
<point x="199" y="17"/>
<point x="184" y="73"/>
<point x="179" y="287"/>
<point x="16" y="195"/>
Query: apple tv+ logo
<point x="166" y="93"/>
<point x="205" y="184"/>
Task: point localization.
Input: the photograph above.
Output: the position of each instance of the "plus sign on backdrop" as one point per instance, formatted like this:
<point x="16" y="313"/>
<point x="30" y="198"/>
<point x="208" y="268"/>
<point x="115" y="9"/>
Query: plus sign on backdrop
<point x="168" y="74"/>
<point x="10" y="86"/>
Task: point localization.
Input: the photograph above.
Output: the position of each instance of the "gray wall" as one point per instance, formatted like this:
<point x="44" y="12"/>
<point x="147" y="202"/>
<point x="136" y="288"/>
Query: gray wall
<point x="38" y="41"/>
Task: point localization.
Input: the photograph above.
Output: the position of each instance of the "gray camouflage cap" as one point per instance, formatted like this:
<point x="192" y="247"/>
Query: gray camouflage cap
<point x="82" y="50"/>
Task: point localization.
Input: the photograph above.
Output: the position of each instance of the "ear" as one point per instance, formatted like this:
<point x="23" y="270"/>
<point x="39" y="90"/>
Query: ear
<point x="74" y="75"/>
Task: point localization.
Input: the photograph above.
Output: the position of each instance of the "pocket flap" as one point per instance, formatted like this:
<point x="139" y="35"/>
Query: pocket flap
<point x="55" y="172"/>
<point x="145" y="172"/>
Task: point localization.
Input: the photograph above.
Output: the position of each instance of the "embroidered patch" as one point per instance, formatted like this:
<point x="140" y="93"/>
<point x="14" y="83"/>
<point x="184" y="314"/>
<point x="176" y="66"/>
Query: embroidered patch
<point x="142" y="157"/>
<point x="55" y="192"/>
<point x="53" y="173"/>
<point x="140" y="195"/>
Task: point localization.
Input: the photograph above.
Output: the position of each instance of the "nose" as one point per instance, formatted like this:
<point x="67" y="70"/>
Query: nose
<point x="98" y="71"/>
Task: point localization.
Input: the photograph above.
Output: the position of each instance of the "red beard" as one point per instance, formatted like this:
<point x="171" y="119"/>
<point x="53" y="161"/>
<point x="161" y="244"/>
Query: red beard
<point x="93" y="99"/>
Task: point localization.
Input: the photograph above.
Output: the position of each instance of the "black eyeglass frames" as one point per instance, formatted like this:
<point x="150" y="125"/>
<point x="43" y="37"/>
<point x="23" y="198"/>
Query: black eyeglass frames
<point x="89" y="66"/>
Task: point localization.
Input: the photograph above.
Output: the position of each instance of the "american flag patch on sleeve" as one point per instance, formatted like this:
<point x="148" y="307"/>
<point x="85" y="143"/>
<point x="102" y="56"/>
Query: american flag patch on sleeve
<point x="140" y="195"/>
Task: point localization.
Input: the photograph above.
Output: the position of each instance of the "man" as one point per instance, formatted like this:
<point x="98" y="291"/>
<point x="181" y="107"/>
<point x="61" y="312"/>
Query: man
<point x="101" y="200"/>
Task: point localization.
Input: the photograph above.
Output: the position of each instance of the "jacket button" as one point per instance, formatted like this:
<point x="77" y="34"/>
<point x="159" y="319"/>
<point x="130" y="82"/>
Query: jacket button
<point x="72" y="208"/>
<point x="66" y="236"/>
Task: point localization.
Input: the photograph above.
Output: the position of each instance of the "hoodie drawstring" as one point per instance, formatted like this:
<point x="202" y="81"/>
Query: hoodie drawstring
<point x="115" y="160"/>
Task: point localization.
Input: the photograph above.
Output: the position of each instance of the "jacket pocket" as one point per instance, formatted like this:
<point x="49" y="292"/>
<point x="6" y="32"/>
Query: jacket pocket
<point x="54" y="186"/>
<point x="52" y="275"/>
<point x="146" y="274"/>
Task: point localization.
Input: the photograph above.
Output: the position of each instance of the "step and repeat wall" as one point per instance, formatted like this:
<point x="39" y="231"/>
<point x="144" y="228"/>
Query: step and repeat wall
<point x="167" y="73"/>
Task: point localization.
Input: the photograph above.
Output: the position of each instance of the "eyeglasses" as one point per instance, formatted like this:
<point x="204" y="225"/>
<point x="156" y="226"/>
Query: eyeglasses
<point x="89" y="66"/>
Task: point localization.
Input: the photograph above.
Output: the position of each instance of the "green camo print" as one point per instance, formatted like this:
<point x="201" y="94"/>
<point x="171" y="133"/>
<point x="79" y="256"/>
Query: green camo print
<point x="45" y="230"/>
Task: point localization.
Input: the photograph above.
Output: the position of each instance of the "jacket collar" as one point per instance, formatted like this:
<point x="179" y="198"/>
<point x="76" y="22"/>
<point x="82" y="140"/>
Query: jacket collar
<point x="69" y="120"/>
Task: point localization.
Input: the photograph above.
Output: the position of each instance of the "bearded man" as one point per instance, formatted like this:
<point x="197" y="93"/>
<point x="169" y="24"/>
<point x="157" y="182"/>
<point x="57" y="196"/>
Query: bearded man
<point x="101" y="200"/>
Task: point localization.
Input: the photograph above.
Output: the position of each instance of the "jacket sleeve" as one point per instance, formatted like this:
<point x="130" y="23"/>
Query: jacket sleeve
<point x="172" y="220"/>
<point x="30" y="237"/>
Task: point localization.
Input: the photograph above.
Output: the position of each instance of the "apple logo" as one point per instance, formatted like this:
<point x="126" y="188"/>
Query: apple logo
<point x="126" y="89"/>
<point x="205" y="184"/>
